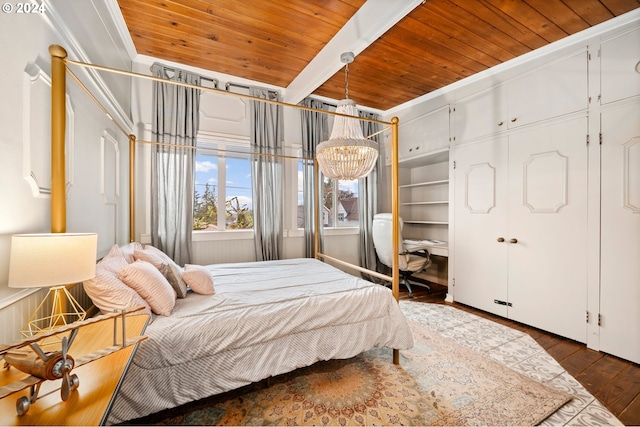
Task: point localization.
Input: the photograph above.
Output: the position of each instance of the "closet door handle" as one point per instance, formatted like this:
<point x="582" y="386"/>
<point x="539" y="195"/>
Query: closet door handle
<point x="513" y="241"/>
<point x="514" y="119"/>
<point x="500" y="239"/>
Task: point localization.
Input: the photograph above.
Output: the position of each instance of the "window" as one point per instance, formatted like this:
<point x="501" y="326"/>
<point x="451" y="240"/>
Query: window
<point x="222" y="172"/>
<point x="340" y="201"/>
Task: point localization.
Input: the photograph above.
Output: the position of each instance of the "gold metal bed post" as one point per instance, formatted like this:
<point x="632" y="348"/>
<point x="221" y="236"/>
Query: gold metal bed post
<point x="132" y="188"/>
<point x="395" y="219"/>
<point x="58" y="125"/>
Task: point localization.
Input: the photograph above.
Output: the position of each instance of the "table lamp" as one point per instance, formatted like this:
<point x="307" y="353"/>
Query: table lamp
<point x="52" y="260"/>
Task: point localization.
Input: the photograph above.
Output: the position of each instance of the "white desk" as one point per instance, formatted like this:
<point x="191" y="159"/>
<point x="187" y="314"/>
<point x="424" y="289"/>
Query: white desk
<point x="435" y="247"/>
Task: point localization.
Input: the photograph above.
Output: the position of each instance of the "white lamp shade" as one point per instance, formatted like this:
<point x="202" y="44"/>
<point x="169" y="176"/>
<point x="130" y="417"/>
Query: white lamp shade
<point x="44" y="260"/>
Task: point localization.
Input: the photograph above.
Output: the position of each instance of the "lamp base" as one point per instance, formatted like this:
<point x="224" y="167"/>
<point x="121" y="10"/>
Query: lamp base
<point x="64" y="309"/>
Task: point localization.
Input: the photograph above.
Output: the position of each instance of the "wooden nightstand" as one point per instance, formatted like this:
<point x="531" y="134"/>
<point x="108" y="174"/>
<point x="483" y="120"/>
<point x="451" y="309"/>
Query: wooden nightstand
<point x="99" y="381"/>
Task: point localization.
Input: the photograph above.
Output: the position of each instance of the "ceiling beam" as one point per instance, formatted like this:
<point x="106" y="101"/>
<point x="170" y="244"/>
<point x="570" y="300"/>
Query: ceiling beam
<point x="371" y="21"/>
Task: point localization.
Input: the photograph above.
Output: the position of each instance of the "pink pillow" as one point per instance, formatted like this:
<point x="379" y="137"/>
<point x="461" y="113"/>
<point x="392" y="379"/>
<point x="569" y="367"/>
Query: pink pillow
<point x="108" y="293"/>
<point x="199" y="279"/>
<point x="113" y="261"/>
<point x="158" y="253"/>
<point x="127" y="251"/>
<point x="150" y="257"/>
<point x="151" y="285"/>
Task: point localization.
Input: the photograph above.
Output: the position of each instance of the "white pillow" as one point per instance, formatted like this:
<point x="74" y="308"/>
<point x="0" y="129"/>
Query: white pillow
<point x="151" y="285"/>
<point x="199" y="279"/>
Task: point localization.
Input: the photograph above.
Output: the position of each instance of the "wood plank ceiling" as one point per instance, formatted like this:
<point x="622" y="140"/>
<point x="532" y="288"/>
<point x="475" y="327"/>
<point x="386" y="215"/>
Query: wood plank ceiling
<point x="436" y="44"/>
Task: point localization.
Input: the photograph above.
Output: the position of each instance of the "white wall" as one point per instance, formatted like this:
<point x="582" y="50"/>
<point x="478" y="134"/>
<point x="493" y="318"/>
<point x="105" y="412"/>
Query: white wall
<point x="96" y="201"/>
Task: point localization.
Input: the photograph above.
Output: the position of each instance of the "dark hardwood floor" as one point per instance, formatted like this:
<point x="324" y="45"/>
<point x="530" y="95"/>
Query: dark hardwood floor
<point x="613" y="381"/>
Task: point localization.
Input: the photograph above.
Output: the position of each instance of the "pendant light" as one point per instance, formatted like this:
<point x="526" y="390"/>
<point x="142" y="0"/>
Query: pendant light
<point x="347" y="154"/>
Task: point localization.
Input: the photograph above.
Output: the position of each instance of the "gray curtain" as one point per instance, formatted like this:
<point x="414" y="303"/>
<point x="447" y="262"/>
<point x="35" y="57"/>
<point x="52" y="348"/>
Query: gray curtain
<point x="315" y="129"/>
<point x="175" y="121"/>
<point x="266" y="136"/>
<point x="368" y="201"/>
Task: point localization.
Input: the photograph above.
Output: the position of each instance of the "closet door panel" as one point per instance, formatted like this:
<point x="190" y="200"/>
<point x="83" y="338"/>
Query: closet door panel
<point x="554" y="90"/>
<point x="480" y="218"/>
<point x="480" y="114"/>
<point x="620" y="233"/>
<point x="548" y="220"/>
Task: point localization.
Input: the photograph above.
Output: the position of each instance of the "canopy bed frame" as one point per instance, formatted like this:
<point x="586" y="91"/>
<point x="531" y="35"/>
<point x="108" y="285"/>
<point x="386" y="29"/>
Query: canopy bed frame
<point x="60" y="66"/>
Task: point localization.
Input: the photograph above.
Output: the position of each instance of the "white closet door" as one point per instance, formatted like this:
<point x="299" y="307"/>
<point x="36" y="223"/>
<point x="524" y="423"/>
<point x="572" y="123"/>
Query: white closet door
<point x="620" y="233"/>
<point x="480" y="218"/>
<point x="548" y="218"/>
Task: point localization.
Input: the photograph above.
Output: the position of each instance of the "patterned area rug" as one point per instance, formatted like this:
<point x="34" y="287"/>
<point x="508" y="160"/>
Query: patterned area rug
<point x="438" y="382"/>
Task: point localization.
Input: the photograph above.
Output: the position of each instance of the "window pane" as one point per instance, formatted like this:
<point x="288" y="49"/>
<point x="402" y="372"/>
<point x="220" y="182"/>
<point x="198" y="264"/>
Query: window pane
<point x="239" y="206"/>
<point x="328" y="198"/>
<point x="222" y="186"/>
<point x="347" y="204"/>
<point x="205" y="209"/>
<point x="340" y="199"/>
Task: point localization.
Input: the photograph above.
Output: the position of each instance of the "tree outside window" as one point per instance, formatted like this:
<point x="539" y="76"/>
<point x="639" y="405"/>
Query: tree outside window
<point x="222" y="172"/>
<point x="339" y="199"/>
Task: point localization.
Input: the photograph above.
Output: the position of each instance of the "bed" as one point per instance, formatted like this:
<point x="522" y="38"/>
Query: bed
<point x="265" y="318"/>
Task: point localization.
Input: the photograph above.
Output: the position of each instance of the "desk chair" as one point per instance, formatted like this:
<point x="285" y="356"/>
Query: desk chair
<point x="408" y="262"/>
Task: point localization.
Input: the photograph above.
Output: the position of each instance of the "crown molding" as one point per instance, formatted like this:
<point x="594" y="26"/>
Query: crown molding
<point x="75" y="50"/>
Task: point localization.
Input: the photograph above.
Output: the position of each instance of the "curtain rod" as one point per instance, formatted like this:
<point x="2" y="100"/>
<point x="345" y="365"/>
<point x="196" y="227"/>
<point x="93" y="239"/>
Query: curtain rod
<point x="215" y="90"/>
<point x="209" y="79"/>
<point x="229" y="84"/>
<point x="221" y="150"/>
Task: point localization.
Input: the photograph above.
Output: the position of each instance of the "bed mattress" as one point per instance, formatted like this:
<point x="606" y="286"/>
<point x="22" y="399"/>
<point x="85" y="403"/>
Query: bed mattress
<point x="265" y="318"/>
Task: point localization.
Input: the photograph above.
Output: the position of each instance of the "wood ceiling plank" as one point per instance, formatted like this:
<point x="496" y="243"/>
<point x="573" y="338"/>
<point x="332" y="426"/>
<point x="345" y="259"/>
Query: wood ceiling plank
<point x="284" y="16"/>
<point x="423" y="58"/>
<point x="592" y="11"/>
<point x="431" y="18"/>
<point x="503" y="22"/>
<point x="618" y="7"/>
<point x="206" y="60"/>
<point x="479" y="27"/>
<point x="443" y="47"/>
<point x="530" y="18"/>
<point x="200" y="42"/>
<point x="560" y="14"/>
<point x="217" y="26"/>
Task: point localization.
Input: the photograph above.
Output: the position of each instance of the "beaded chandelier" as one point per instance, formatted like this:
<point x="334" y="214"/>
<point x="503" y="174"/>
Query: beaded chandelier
<point x="347" y="154"/>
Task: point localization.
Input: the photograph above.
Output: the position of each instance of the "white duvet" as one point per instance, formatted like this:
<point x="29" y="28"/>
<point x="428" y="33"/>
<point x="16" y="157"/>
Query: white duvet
<point x="266" y="318"/>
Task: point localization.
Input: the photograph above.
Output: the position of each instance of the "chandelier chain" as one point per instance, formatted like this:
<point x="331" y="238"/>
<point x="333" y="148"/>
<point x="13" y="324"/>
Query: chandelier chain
<point x="346" y="81"/>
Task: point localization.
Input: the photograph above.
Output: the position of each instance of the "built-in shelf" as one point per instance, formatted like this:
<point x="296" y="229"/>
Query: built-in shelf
<point x="426" y="222"/>
<point x="426" y="183"/>
<point x="442" y="202"/>
<point x="430" y="158"/>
